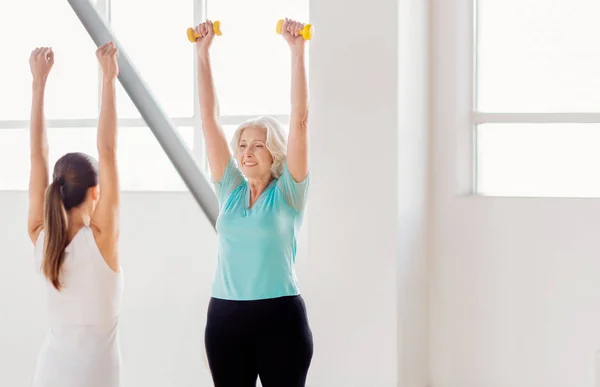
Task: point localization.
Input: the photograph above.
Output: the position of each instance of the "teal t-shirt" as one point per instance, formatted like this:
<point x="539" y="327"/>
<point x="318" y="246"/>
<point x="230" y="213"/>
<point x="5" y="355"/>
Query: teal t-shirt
<point x="257" y="246"/>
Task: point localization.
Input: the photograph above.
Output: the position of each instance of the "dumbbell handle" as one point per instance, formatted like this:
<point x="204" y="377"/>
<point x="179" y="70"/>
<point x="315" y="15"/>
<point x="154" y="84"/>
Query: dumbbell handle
<point x="192" y="35"/>
<point x="306" y="32"/>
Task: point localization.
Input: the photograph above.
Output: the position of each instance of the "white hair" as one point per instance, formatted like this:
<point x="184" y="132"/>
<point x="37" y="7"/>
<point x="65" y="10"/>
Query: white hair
<point x="276" y="141"/>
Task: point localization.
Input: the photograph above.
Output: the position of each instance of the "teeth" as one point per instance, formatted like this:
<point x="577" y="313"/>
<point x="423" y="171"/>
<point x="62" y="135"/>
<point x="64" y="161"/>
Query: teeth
<point x="250" y="164"/>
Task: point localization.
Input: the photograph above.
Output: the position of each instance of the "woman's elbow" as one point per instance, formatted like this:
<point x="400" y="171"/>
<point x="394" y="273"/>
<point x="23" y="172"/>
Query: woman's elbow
<point x="108" y="149"/>
<point x="300" y="121"/>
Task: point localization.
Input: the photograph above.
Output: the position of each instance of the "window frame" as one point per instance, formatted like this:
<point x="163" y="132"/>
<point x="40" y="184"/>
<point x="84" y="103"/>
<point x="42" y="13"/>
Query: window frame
<point x="194" y="121"/>
<point x="468" y="174"/>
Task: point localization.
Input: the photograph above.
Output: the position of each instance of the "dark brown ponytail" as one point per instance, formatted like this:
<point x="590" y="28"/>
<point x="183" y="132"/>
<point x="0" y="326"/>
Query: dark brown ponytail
<point x="56" y="232"/>
<point x="74" y="174"/>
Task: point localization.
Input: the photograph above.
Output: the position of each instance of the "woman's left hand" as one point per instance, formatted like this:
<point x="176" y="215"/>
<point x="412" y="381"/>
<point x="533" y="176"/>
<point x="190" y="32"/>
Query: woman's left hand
<point x="290" y="30"/>
<point x="107" y="56"/>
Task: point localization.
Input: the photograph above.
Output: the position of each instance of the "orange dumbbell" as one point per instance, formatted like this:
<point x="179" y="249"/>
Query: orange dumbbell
<point x="306" y="32"/>
<point x="192" y="35"/>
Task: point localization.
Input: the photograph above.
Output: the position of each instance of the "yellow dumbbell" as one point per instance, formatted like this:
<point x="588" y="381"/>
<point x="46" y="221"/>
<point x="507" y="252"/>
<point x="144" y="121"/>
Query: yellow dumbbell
<point x="306" y="32"/>
<point x="192" y="35"/>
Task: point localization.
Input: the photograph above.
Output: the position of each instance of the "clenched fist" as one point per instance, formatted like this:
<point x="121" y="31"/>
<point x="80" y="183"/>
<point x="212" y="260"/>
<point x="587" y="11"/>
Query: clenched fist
<point x="206" y="33"/>
<point x="107" y="56"/>
<point x="41" y="61"/>
<point x="290" y="30"/>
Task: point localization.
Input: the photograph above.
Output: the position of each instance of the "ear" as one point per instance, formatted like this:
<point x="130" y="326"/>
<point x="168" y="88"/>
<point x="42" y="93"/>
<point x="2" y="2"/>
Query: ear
<point x="95" y="192"/>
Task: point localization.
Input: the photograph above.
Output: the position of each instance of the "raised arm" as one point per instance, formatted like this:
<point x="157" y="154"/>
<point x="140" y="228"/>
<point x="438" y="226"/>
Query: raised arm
<point x="297" y="154"/>
<point x="105" y="220"/>
<point x="216" y="142"/>
<point x="41" y="61"/>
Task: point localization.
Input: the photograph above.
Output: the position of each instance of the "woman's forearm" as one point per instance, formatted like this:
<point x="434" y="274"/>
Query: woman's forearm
<point x="38" y="138"/>
<point x="209" y="106"/>
<point x="299" y="87"/>
<point x="107" y="121"/>
<point x="297" y="152"/>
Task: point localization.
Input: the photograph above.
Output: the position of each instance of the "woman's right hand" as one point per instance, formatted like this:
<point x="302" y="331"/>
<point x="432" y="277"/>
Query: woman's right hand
<point x="41" y="61"/>
<point x="206" y="33"/>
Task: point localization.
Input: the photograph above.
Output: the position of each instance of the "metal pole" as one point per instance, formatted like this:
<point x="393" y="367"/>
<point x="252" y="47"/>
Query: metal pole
<point x="151" y="112"/>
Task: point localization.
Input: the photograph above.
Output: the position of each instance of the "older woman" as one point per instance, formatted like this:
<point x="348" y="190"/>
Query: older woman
<point x="257" y="323"/>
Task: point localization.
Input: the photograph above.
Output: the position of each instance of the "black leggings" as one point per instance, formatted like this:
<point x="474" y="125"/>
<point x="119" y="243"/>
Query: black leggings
<point x="268" y="338"/>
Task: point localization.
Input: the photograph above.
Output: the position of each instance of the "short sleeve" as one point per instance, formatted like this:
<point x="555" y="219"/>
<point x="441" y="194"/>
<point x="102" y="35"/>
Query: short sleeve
<point x="232" y="178"/>
<point x="295" y="193"/>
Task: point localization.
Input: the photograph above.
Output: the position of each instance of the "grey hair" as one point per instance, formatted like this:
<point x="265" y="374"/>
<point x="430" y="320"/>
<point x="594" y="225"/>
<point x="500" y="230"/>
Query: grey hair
<point x="276" y="141"/>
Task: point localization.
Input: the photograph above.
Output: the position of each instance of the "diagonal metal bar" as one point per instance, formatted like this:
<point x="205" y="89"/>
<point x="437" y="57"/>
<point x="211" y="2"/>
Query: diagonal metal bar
<point x="151" y="112"/>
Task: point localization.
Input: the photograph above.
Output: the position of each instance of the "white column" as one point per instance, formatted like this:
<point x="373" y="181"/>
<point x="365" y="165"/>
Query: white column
<point x="352" y="240"/>
<point x="367" y="293"/>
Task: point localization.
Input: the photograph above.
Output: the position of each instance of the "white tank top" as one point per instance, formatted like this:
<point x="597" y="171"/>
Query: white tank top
<point x="82" y="340"/>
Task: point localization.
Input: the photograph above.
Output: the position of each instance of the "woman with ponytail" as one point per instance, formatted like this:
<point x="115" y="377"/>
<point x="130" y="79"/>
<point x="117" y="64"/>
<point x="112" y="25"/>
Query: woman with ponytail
<point x="74" y="226"/>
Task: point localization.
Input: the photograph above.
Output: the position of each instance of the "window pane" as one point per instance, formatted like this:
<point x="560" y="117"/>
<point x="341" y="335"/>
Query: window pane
<point x="538" y="55"/>
<point x="73" y="82"/>
<point x="251" y="63"/>
<point x="158" y="48"/>
<point x="538" y="159"/>
<point x="143" y="165"/>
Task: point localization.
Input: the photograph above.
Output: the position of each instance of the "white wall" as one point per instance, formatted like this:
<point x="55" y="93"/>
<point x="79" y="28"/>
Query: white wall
<point x="515" y="297"/>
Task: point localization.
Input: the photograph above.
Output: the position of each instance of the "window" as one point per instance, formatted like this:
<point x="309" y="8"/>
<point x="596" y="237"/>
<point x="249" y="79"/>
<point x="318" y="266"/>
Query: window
<point x="138" y="151"/>
<point x="157" y="46"/>
<point x="72" y="88"/>
<point x="73" y="93"/>
<point x="250" y="63"/>
<point x="537" y="105"/>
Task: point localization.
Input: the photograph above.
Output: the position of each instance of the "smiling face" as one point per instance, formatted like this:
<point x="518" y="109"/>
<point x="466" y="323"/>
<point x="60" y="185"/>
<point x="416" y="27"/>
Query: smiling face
<point x="252" y="155"/>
